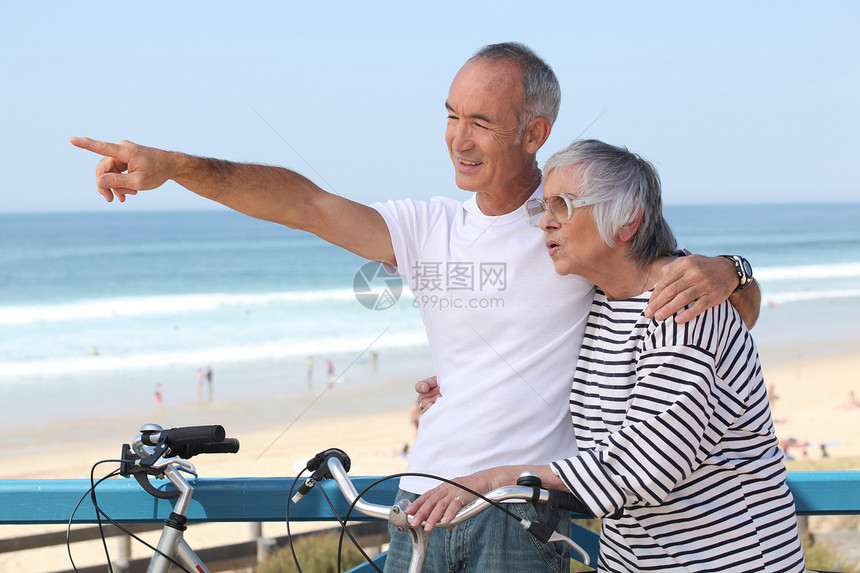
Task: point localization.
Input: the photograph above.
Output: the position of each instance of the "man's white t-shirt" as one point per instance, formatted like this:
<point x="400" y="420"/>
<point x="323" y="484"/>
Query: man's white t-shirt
<point x="504" y="330"/>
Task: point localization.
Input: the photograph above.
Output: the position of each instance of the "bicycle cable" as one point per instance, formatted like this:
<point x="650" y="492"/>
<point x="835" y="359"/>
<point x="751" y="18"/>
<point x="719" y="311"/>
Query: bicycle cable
<point x="77" y="505"/>
<point x="340" y="521"/>
<point x="99" y="513"/>
<point x="344" y="529"/>
<point x="98" y="510"/>
<point x="289" y="534"/>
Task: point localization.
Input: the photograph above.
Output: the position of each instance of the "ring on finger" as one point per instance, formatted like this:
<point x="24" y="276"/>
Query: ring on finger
<point x="461" y="500"/>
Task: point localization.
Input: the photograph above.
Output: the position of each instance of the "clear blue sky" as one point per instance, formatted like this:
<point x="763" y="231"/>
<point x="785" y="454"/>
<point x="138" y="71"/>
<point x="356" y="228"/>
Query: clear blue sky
<point x="733" y="101"/>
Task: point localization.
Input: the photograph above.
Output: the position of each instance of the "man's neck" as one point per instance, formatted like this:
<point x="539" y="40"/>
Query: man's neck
<point x="512" y="198"/>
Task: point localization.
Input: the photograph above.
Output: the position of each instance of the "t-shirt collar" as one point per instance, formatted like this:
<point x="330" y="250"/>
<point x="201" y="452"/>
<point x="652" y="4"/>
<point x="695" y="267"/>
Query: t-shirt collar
<point x="471" y="206"/>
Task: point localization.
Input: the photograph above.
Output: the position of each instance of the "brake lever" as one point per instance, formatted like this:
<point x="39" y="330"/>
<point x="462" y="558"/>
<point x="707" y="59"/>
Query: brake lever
<point x="556" y="536"/>
<point x="545" y="530"/>
<point x="179" y="463"/>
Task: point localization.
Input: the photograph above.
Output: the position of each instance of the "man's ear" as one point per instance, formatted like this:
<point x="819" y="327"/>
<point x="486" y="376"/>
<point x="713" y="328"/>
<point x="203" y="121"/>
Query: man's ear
<point x="536" y="134"/>
<point x="627" y="232"/>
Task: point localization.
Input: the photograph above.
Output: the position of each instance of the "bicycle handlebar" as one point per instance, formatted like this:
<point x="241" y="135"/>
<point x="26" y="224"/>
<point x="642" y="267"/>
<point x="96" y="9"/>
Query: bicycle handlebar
<point x="528" y="489"/>
<point x="155" y="450"/>
<point x="185" y="442"/>
<point x="337" y="463"/>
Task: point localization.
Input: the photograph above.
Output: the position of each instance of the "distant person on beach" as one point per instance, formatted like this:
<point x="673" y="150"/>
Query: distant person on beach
<point x="309" y="366"/>
<point x="495" y="310"/>
<point x="209" y="383"/>
<point x="330" y="371"/>
<point x="671" y="421"/>
<point x="159" y="396"/>
<point x="772" y="397"/>
<point x="200" y="385"/>
<point x="852" y="403"/>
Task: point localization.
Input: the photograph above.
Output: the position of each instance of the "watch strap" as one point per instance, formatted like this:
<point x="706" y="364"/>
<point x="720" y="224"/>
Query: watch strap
<point x="744" y="270"/>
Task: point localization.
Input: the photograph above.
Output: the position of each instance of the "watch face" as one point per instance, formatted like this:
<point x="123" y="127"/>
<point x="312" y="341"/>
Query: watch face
<point x="747" y="268"/>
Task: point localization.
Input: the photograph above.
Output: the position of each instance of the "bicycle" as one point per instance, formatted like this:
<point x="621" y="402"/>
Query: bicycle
<point x="160" y="453"/>
<point x="334" y="464"/>
<point x="164" y="454"/>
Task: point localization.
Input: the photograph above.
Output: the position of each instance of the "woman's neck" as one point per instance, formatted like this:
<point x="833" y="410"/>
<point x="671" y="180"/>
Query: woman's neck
<point x="625" y="279"/>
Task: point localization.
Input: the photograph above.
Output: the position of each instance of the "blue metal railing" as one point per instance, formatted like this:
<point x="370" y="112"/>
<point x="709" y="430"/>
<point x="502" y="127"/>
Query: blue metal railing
<point x="265" y="499"/>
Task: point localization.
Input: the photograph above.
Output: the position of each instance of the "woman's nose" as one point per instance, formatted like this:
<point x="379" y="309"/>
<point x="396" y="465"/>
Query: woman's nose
<point x="547" y="221"/>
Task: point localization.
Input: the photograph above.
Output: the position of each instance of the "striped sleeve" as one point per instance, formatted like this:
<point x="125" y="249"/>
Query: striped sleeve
<point x="675" y="412"/>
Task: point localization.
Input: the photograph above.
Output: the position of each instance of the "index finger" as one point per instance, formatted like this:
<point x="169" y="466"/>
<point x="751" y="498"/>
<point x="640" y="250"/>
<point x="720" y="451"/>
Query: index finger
<point x="664" y="293"/>
<point x="96" y="146"/>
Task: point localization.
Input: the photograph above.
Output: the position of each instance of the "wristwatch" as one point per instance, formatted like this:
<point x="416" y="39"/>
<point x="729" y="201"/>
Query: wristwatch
<point x="744" y="270"/>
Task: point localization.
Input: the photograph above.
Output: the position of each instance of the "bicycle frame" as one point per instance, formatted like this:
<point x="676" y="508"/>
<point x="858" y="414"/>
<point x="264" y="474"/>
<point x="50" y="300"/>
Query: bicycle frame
<point x="171" y="543"/>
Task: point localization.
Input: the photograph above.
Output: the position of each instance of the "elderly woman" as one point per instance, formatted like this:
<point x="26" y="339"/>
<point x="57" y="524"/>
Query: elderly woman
<point x="672" y="421"/>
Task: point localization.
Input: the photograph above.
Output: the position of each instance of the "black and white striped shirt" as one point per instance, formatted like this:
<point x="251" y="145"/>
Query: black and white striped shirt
<point x="673" y="424"/>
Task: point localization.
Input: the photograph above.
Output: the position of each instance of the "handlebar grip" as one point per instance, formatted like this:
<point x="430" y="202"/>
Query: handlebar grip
<point x="227" y="446"/>
<point x="195" y="435"/>
<point x="187" y="435"/>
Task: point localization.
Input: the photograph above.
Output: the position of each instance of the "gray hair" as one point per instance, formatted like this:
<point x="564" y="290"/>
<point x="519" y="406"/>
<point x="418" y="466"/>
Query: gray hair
<point x="625" y="184"/>
<point x="541" y="91"/>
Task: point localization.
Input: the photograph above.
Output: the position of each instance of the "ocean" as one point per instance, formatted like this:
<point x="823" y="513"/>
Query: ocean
<point x="89" y="299"/>
<point x="85" y="292"/>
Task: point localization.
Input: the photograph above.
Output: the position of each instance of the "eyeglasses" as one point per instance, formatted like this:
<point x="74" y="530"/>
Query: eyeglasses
<point x="560" y="208"/>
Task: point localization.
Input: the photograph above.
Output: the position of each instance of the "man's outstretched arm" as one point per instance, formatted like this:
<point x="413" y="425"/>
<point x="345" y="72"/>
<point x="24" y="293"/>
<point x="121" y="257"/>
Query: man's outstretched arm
<point x="265" y="192"/>
<point x="702" y="282"/>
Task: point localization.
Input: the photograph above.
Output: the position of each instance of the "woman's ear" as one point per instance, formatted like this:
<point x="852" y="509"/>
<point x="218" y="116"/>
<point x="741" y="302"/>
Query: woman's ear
<point x="628" y="231"/>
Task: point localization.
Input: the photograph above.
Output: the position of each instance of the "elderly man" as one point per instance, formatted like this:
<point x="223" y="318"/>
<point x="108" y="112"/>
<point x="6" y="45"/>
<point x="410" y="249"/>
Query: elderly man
<point x="502" y="324"/>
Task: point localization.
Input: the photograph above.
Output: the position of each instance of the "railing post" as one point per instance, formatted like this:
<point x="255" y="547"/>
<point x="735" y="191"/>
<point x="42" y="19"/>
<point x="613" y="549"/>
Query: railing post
<point x="123" y="554"/>
<point x="803" y="528"/>
<point x="265" y="546"/>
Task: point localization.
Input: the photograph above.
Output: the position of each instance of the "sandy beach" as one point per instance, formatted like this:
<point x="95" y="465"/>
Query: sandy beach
<point x="371" y="421"/>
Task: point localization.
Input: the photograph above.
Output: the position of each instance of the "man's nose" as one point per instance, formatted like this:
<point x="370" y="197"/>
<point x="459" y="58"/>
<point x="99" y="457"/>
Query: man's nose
<point x="460" y="138"/>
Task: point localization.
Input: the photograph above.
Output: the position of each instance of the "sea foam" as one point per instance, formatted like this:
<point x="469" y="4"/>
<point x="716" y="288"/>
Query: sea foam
<point x="142" y="306"/>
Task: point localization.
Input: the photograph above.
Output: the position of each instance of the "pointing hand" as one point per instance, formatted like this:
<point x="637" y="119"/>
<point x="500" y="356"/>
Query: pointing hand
<point x="126" y="167"/>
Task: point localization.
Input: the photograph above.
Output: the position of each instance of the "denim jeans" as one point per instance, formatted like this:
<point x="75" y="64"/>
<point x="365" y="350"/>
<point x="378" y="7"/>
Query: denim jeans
<point x="489" y="542"/>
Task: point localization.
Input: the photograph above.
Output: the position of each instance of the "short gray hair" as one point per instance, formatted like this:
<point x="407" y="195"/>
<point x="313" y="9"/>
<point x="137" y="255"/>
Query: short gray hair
<point x="541" y="91"/>
<point x="625" y="184"/>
